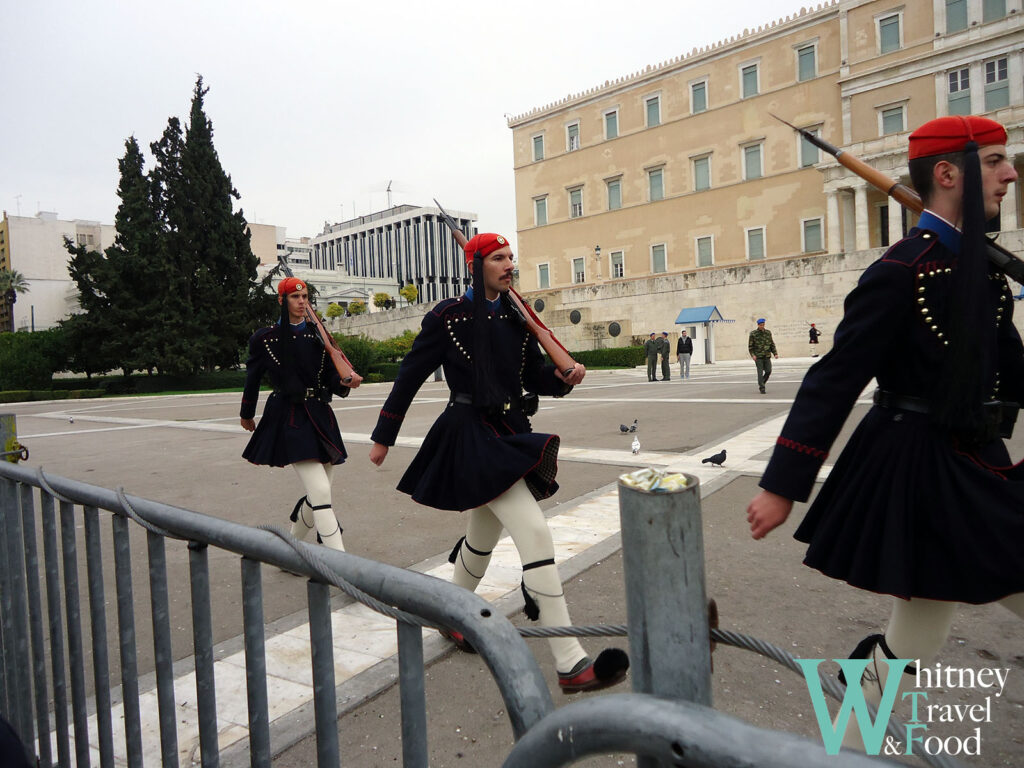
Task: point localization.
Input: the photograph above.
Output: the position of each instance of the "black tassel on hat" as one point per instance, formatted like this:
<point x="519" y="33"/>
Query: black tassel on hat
<point x="484" y="395"/>
<point x="957" y="400"/>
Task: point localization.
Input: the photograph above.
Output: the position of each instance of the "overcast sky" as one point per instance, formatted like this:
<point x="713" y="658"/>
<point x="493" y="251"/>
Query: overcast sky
<point x="317" y="106"/>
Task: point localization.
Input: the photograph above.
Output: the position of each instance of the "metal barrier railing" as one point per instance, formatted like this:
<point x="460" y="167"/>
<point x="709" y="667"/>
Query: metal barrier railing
<point x="665" y="722"/>
<point x="37" y="704"/>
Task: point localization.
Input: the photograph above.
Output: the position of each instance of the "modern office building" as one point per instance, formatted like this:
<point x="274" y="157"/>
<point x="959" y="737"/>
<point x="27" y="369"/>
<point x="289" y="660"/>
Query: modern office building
<point x="681" y="168"/>
<point x="402" y="245"/>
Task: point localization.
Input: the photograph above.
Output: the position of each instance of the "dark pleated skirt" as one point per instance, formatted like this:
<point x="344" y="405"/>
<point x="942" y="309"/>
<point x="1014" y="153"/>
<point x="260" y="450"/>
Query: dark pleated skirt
<point x="905" y="512"/>
<point x="290" y="432"/>
<point x="467" y="460"/>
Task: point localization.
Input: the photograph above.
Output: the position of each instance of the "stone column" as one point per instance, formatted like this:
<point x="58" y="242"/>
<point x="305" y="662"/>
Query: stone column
<point x="1008" y="218"/>
<point x="860" y="213"/>
<point x="895" y="221"/>
<point x="832" y="223"/>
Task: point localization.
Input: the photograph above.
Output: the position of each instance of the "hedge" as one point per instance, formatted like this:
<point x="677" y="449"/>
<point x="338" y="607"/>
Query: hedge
<point x="616" y="357"/>
<point x="27" y="395"/>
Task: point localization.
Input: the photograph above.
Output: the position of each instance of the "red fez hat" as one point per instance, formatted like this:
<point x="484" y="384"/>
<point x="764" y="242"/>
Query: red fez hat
<point x="944" y="135"/>
<point x="486" y="243"/>
<point x="290" y="285"/>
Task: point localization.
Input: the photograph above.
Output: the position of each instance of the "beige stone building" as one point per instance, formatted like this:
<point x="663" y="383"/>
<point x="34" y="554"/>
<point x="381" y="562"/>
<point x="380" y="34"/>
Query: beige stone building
<point x="679" y="171"/>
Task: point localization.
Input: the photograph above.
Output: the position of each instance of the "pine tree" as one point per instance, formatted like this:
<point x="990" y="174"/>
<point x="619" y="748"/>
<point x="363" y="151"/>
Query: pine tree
<point x="209" y="242"/>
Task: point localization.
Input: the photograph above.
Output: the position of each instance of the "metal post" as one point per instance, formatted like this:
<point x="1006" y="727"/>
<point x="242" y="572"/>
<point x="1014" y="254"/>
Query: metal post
<point x="56" y="628"/>
<point x="98" y="626"/>
<point x="663" y="563"/>
<point x="412" y="685"/>
<point x="255" y="663"/>
<point x="73" y="610"/>
<point x="666" y="603"/>
<point x="8" y="432"/>
<point x="202" y="642"/>
<point x="126" y="638"/>
<point x="30" y="547"/>
<point x="162" y="651"/>
<point x="325" y="706"/>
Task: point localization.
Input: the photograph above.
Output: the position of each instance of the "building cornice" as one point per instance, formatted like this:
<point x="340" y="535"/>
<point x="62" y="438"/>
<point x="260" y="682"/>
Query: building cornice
<point x="698" y="56"/>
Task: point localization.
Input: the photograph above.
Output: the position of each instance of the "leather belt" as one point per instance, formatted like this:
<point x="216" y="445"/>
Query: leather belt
<point x="885" y="399"/>
<point x="312" y="393"/>
<point x="1000" y="416"/>
<point x="525" y="403"/>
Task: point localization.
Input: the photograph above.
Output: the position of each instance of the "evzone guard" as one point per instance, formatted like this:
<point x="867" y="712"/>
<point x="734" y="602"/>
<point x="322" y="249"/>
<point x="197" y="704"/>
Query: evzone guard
<point x="923" y="503"/>
<point x="298" y="427"/>
<point x="481" y="454"/>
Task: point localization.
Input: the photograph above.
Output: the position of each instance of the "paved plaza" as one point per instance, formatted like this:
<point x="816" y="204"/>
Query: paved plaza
<point x="186" y="451"/>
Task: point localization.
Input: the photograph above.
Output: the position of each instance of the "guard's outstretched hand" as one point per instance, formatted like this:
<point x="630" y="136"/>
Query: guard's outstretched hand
<point x="378" y="452"/>
<point x="574" y="377"/>
<point x="766" y="512"/>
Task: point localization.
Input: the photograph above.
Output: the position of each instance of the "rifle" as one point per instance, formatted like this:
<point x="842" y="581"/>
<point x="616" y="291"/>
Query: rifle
<point x="348" y="374"/>
<point x="1004" y="261"/>
<point x="559" y="355"/>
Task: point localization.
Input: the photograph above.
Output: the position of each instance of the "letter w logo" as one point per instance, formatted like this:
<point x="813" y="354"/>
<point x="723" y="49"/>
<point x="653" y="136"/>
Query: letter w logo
<point x="853" y="702"/>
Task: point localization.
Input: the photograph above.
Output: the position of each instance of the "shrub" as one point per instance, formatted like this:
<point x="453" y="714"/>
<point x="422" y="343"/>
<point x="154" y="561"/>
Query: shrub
<point x="373" y="378"/>
<point x="28" y="360"/>
<point x="387" y="370"/>
<point x="361" y="351"/>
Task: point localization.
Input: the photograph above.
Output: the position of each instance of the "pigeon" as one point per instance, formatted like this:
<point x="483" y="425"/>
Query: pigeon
<point x="636" y="445"/>
<point x="71" y="419"/>
<point x="718" y="459"/>
<point x="624" y="428"/>
<point x="633" y="426"/>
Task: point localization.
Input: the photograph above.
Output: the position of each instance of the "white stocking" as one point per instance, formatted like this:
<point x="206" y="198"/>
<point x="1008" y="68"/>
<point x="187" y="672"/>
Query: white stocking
<point x="918" y="629"/>
<point x="474" y="553"/>
<point x="316" y="478"/>
<point x="522" y="517"/>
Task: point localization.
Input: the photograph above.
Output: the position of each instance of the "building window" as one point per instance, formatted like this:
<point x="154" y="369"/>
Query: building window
<point x="811" y="236"/>
<point x="698" y="97"/>
<point x="891" y="120"/>
<point x="997" y="87"/>
<point x="543" y="276"/>
<point x="701" y="173"/>
<point x="806" y="63"/>
<point x="658" y="258"/>
<point x="752" y="162"/>
<point x="809" y="154"/>
<point x="705" y="251"/>
<point x="572" y="141"/>
<point x="611" y="124"/>
<point x="656" y="184"/>
<point x="755" y="243"/>
<point x="653" y="105"/>
<point x="749" y="81"/>
<point x="575" y="203"/>
<point x="959" y="102"/>
<point x="538" y="148"/>
<point x="889" y="33"/>
<point x="618" y="267"/>
<point x="956" y="15"/>
<point x="992" y="10"/>
<point x="614" y="194"/>
<point x="540" y="211"/>
<point x="579" y="274"/>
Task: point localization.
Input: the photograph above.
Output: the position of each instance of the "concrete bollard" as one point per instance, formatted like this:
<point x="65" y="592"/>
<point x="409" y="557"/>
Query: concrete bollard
<point x="666" y="600"/>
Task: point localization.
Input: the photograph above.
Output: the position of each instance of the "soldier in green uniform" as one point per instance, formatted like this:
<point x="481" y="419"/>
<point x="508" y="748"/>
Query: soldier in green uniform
<point x="651" y="347"/>
<point x="664" y="349"/>
<point x="761" y="347"/>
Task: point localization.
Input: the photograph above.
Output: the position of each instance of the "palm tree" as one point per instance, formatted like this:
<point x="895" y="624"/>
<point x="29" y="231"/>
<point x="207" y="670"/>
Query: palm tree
<point x="12" y="282"/>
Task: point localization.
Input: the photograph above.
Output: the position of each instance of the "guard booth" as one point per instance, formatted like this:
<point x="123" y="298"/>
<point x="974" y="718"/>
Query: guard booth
<point x="699" y="324"/>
